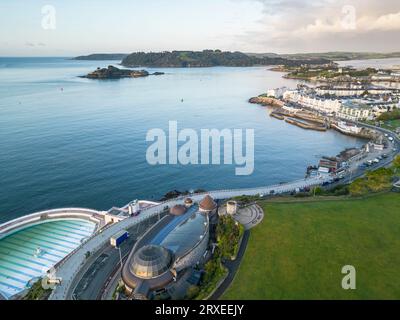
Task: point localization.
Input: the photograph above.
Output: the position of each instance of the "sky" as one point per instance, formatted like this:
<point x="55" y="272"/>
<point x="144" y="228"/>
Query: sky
<point x="75" y="27"/>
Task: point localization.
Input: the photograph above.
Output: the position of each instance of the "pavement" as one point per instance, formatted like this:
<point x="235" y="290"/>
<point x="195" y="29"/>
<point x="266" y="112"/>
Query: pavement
<point x="71" y="266"/>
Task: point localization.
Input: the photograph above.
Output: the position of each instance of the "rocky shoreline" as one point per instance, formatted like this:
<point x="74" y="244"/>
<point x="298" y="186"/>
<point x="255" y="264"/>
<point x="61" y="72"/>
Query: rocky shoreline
<point x="112" y="72"/>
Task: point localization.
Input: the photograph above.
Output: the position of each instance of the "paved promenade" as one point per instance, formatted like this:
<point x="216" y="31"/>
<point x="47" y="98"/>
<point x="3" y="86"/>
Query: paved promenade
<point x="70" y="266"/>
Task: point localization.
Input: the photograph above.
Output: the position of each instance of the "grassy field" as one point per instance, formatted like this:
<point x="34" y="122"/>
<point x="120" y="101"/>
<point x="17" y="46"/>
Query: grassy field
<point x="392" y="124"/>
<point x="299" y="249"/>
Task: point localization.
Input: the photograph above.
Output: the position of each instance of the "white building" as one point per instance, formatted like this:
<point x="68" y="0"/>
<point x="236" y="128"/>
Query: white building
<point x="350" y="92"/>
<point x="349" y="109"/>
<point x="326" y="106"/>
<point x="348" y="128"/>
<point x="354" y="112"/>
<point x="276" y="93"/>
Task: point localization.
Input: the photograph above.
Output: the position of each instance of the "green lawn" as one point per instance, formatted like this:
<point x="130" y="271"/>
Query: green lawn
<point x="392" y="124"/>
<point x="299" y="249"/>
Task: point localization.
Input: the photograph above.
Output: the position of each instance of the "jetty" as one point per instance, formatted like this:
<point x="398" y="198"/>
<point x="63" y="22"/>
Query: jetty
<point x="305" y="125"/>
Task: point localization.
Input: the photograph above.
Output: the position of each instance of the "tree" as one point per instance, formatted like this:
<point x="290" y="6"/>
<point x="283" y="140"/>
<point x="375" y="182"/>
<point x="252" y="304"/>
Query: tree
<point x="374" y="181"/>
<point x="192" y="292"/>
<point x="37" y="292"/>
<point x="396" y="163"/>
<point x="318" y="191"/>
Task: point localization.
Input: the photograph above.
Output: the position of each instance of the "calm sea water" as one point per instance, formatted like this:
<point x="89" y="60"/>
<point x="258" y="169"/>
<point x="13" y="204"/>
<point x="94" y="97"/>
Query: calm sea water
<point x="68" y="141"/>
<point x="372" y="63"/>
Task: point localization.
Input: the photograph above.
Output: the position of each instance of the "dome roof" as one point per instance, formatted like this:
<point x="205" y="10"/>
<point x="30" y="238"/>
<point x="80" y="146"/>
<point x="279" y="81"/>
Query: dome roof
<point x="207" y="204"/>
<point x="177" y="210"/>
<point x="151" y="261"/>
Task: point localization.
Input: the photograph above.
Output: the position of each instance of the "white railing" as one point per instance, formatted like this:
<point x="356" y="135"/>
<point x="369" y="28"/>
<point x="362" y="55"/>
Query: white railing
<point x="54" y="213"/>
<point x="70" y="265"/>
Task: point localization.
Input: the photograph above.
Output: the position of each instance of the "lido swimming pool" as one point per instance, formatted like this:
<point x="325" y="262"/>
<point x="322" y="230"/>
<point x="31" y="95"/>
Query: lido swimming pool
<point x="28" y="253"/>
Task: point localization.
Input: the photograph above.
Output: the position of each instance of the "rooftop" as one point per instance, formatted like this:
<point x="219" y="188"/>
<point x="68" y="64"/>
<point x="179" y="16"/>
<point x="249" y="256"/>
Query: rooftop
<point x="177" y="210"/>
<point x="151" y="261"/>
<point x="186" y="235"/>
<point x="208" y="203"/>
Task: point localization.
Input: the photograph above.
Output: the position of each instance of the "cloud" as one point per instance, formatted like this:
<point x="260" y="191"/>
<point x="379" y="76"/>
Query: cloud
<point x="364" y="24"/>
<point x="385" y="22"/>
<point x="319" y="25"/>
<point x="33" y="44"/>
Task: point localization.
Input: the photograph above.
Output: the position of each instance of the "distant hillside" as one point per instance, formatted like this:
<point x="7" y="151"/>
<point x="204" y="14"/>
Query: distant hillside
<point x="102" y="56"/>
<point x="263" y="55"/>
<point x="342" y="56"/>
<point x="207" y="58"/>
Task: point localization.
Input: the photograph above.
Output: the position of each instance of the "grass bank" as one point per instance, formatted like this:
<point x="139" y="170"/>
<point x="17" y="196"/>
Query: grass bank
<point x="299" y="249"/>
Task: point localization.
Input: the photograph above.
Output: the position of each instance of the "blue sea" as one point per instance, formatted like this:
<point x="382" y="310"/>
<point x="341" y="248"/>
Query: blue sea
<point x="66" y="141"/>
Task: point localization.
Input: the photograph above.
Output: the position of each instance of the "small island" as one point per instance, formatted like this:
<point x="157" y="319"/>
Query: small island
<point x="112" y="72"/>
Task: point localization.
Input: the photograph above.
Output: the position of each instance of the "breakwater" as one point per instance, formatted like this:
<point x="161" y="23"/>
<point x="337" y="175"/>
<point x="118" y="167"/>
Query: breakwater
<point x="305" y="125"/>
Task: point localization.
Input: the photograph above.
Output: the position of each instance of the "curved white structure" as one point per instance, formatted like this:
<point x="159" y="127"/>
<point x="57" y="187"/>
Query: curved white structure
<point x="32" y="245"/>
<point x="69" y="267"/>
<point x="41" y="216"/>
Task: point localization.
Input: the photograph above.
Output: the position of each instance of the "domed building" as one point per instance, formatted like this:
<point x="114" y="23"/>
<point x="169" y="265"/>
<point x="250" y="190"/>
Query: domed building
<point x="177" y="210"/>
<point x="148" y="270"/>
<point x="207" y="205"/>
<point x="151" y="261"/>
<point x="188" y="202"/>
<point x="165" y="252"/>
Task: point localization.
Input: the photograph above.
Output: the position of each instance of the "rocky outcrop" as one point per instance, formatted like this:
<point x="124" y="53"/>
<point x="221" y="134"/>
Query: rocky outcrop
<point x="112" y="72"/>
<point x="267" y="101"/>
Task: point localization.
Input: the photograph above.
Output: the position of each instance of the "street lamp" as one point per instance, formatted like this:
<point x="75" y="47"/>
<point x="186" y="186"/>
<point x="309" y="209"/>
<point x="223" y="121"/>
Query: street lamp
<point x="120" y="255"/>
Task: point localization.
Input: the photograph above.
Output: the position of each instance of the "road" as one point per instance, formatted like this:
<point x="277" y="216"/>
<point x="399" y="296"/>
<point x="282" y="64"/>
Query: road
<point x="90" y="281"/>
<point x="392" y="151"/>
<point x="68" y="269"/>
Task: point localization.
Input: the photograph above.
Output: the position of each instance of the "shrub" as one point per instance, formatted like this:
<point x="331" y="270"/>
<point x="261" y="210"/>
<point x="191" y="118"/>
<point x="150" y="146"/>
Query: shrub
<point x="392" y="115"/>
<point x="192" y="292"/>
<point x="36" y="292"/>
<point x="374" y="181"/>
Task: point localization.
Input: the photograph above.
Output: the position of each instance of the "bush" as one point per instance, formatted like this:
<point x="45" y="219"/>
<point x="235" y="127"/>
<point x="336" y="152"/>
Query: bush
<point x="36" y="292"/>
<point x="374" y="181"/>
<point x="302" y="195"/>
<point x="318" y="191"/>
<point x="396" y="163"/>
<point x="228" y="235"/>
<point x="392" y="115"/>
<point x="341" y="190"/>
<point x="192" y="292"/>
